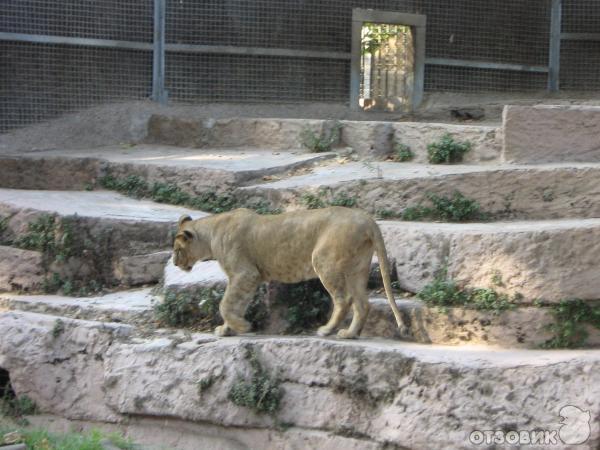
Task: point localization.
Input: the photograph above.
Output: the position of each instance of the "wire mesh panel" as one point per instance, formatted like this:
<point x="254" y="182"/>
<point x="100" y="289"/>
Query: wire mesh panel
<point x="242" y="78"/>
<point x="580" y="59"/>
<point x="129" y="20"/>
<point x="39" y="81"/>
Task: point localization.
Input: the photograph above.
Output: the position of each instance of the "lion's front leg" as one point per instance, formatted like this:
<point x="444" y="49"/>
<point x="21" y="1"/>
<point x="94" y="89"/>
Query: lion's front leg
<point x="238" y="295"/>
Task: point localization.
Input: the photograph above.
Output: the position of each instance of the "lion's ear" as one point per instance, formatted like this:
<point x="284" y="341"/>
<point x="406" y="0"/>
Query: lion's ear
<point x="187" y="235"/>
<point x="183" y="219"/>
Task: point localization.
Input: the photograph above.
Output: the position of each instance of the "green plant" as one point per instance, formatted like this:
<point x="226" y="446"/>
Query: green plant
<point x="307" y="305"/>
<point x="343" y="199"/>
<point x="169" y="193"/>
<point x="186" y="309"/>
<point x="456" y="208"/>
<point x="312" y="201"/>
<point x="131" y="185"/>
<point x="40" y="235"/>
<point x="200" y="309"/>
<point x="263" y="207"/>
<point x="322" y="142"/>
<point x="17" y="407"/>
<point x="385" y="214"/>
<point x="444" y="292"/>
<point x="58" y="328"/>
<point x="570" y="318"/>
<point x="447" y="150"/>
<point x="261" y="392"/>
<point x="205" y="383"/>
<point x="214" y="202"/>
<point x="38" y="439"/>
<point x="402" y="153"/>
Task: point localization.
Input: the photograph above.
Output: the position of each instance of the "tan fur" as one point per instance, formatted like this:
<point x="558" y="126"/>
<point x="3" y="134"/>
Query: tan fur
<point x="335" y="245"/>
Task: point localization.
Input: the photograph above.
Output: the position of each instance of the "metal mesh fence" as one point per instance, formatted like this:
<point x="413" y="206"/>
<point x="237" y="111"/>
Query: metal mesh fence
<point x="580" y="59"/>
<point x="126" y="20"/>
<point x="269" y="50"/>
<point x="241" y="78"/>
<point x="41" y="81"/>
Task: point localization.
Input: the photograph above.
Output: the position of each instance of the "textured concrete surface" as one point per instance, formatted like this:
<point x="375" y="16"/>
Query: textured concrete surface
<point x="548" y="260"/>
<point x="540" y="134"/>
<point x="509" y="192"/>
<point x="134" y="306"/>
<point x="408" y="395"/>
<point x="96" y="204"/>
<point x="20" y="270"/>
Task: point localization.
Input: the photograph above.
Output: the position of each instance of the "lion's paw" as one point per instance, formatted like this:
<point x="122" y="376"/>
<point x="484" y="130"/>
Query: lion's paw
<point x="222" y="330"/>
<point x="404" y="331"/>
<point x="323" y="331"/>
<point x="346" y="334"/>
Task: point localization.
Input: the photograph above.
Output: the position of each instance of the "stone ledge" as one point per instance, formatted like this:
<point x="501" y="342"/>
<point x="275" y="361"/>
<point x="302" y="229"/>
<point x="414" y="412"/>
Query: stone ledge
<point x="543" y="133"/>
<point x="409" y="395"/>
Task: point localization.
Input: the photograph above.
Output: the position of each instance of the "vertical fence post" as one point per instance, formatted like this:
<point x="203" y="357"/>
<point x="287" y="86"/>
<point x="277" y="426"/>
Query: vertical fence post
<point x="158" y="69"/>
<point x="554" y="58"/>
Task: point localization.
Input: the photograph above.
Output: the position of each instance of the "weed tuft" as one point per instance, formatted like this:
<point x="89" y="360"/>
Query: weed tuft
<point x="570" y="318"/>
<point x="323" y="141"/>
<point x="444" y="292"/>
<point x="456" y="208"/>
<point x="447" y="150"/>
<point x="262" y="392"/>
<point x="402" y="153"/>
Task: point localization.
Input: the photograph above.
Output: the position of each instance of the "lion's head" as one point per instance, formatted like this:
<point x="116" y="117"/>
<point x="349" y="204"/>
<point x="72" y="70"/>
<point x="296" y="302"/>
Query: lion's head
<point x="189" y="247"/>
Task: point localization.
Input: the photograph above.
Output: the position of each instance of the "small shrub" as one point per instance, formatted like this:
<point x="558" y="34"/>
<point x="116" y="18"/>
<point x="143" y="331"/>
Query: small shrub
<point x="200" y="309"/>
<point x="447" y="150"/>
<point x="17" y="407"/>
<point x="343" y="199"/>
<point x="312" y="201"/>
<point x="263" y="207"/>
<point x="131" y="185"/>
<point x="322" y="142"/>
<point x="402" y="153"/>
<point x="569" y="327"/>
<point x="40" y="235"/>
<point x="169" y="193"/>
<point x="205" y="384"/>
<point x="58" y="328"/>
<point x="213" y="202"/>
<point x="443" y="292"/>
<point x="38" y="439"/>
<point x="457" y="208"/>
<point x="181" y="309"/>
<point x="385" y="214"/>
<point x="307" y="305"/>
<point x="261" y="393"/>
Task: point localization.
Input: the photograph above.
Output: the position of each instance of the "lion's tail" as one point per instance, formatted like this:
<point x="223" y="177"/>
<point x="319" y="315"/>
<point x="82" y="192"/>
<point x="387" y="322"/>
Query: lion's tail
<point x="385" y="272"/>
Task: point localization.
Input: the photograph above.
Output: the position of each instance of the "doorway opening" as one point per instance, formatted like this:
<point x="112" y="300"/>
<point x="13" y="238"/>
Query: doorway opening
<point x="388" y="60"/>
<point x="386" y="67"/>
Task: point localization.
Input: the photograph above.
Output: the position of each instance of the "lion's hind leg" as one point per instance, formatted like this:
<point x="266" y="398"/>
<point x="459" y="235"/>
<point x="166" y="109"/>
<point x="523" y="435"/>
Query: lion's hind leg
<point x="357" y="287"/>
<point x="238" y="295"/>
<point x="336" y="287"/>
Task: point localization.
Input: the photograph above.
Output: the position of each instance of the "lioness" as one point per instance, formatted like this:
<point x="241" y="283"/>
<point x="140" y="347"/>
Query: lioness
<point x="334" y="244"/>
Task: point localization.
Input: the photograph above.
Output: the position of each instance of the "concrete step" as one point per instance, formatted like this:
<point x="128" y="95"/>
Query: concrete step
<point x="369" y="139"/>
<point x="132" y="307"/>
<point x="107" y="238"/>
<point x="353" y="394"/>
<point x="551" y="133"/>
<point x="507" y="191"/>
<point x="196" y="170"/>
<point x="522" y="327"/>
